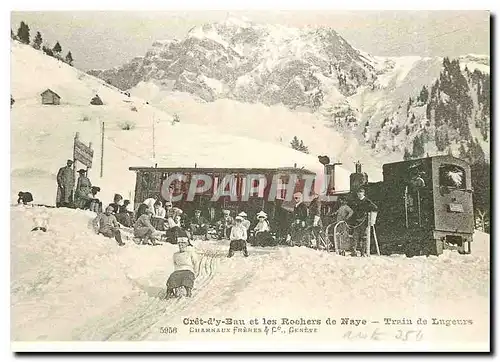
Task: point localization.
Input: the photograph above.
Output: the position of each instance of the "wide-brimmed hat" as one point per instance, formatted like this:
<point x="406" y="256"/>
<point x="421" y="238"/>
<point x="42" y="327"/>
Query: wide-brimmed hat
<point x="82" y="170"/>
<point x="226" y="212"/>
<point x="197" y="210"/>
<point x="168" y="203"/>
<point x="238" y="218"/>
<point x="262" y="214"/>
<point x="242" y="214"/>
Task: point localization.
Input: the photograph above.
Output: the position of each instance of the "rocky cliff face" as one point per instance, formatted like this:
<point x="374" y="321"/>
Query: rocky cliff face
<point x="316" y="70"/>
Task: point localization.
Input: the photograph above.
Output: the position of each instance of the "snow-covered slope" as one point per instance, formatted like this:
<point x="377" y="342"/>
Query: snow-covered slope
<point x="42" y="135"/>
<point x="69" y="284"/>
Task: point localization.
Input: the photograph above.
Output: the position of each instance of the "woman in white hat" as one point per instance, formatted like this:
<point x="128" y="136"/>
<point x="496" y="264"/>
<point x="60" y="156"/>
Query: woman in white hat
<point x="185" y="267"/>
<point x="262" y="231"/>
<point x="238" y="237"/>
<point x="245" y="221"/>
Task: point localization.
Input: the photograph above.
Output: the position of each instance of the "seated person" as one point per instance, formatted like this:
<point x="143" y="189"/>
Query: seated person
<point x="24" y="198"/>
<point x="173" y="226"/>
<point x="107" y="225"/>
<point x="238" y="238"/>
<point x="224" y="224"/>
<point x="159" y="216"/>
<point x="262" y="230"/>
<point x="144" y="230"/>
<point x="185" y="267"/>
<point x="95" y="205"/>
<point x="198" y="224"/>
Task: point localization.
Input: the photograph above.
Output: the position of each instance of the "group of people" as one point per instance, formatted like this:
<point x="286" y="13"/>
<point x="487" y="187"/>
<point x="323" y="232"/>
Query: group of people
<point x="81" y="197"/>
<point x="351" y="211"/>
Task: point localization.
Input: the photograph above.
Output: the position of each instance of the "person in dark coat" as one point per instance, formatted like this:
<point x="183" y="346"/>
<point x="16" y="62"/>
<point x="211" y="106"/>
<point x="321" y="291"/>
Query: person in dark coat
<point x="65" y="185"/>
<point x="299" y="218"/>
<point x="24" y="198"/>
<point x="83" y="190"/>
<point x="185" y="267"/>
<point x="359" y="221"/>
<point x="199" y="225"/>
<point x="314" y="213"/>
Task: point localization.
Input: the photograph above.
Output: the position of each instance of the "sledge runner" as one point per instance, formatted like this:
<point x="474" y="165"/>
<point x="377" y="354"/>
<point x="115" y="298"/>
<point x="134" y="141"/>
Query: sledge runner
<point x="238" y="238"/>
<point x="185" y="267"/>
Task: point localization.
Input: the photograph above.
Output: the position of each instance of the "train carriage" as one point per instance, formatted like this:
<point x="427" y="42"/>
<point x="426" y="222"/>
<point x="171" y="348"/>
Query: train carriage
<point x="151" y="182"/>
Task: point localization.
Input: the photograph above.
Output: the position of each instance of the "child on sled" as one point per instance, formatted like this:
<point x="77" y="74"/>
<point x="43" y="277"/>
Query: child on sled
<point x="185" y="267"/>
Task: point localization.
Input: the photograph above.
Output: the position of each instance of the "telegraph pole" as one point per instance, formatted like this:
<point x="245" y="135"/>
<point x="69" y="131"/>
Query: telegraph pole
<point x="102" y="148"/>
<point x="154" y="152"/>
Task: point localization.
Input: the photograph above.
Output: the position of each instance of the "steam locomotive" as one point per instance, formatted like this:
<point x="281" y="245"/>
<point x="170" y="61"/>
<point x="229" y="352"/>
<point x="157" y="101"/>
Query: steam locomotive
<point x="425" y="205"/>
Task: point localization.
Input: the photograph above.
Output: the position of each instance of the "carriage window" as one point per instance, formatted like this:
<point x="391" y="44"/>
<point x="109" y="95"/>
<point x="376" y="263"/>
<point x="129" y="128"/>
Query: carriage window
<point x="452" y="176"/>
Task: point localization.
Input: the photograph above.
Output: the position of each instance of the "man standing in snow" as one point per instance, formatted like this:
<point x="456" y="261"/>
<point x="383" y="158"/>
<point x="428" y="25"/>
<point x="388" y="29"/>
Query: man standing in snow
<point x="65" y="185"/>
<point x="359" y="221"/>
<point x="299" y="218"/>
<point x="107" y="225"/>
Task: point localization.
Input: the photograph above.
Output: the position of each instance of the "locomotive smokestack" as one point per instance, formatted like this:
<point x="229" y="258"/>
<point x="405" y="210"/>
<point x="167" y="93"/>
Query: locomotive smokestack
<point x="358" y="167"/>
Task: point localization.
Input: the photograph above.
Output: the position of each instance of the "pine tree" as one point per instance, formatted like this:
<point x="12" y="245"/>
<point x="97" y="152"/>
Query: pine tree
<point x="418" y="147"/>
<point x="12" y="35"/>
<point x="57" y="49"/>
<point x="299" y="145"/>
<point x="47" y="51"/>
<point x="407" y="155"/>
<point x="424" y="95"/>
<point x="37" y="42"/>
<point x="69" y="58"/>
<point x="23" y="33"/>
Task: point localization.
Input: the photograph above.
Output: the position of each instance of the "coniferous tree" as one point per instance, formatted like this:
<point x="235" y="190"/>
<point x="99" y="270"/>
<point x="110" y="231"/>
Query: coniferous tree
<point x="407" y="155"/>
<point x="69" y="58"/>
<point x="12" y="35"/>
<point x="47" y="51"/>
<point x="37" y="42"/>
<point x="23" y="33"/>
<point x="57" y="49"/>
<point x="299" y="145"/>
<point x="418" y="147"/>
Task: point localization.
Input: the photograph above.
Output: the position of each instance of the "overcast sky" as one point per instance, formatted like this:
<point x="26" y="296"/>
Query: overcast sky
<point x="107" y="39"/>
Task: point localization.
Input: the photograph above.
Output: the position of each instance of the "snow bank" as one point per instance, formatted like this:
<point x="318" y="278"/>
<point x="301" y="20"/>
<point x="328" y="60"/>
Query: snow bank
<point x="69" y="283"/>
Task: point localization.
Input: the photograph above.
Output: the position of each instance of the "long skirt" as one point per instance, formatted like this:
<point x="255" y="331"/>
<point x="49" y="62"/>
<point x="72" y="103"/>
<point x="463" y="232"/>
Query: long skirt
<point x="264" y="238"/>
<point x="181" y="278"/>
<point x="238" y="245"/>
